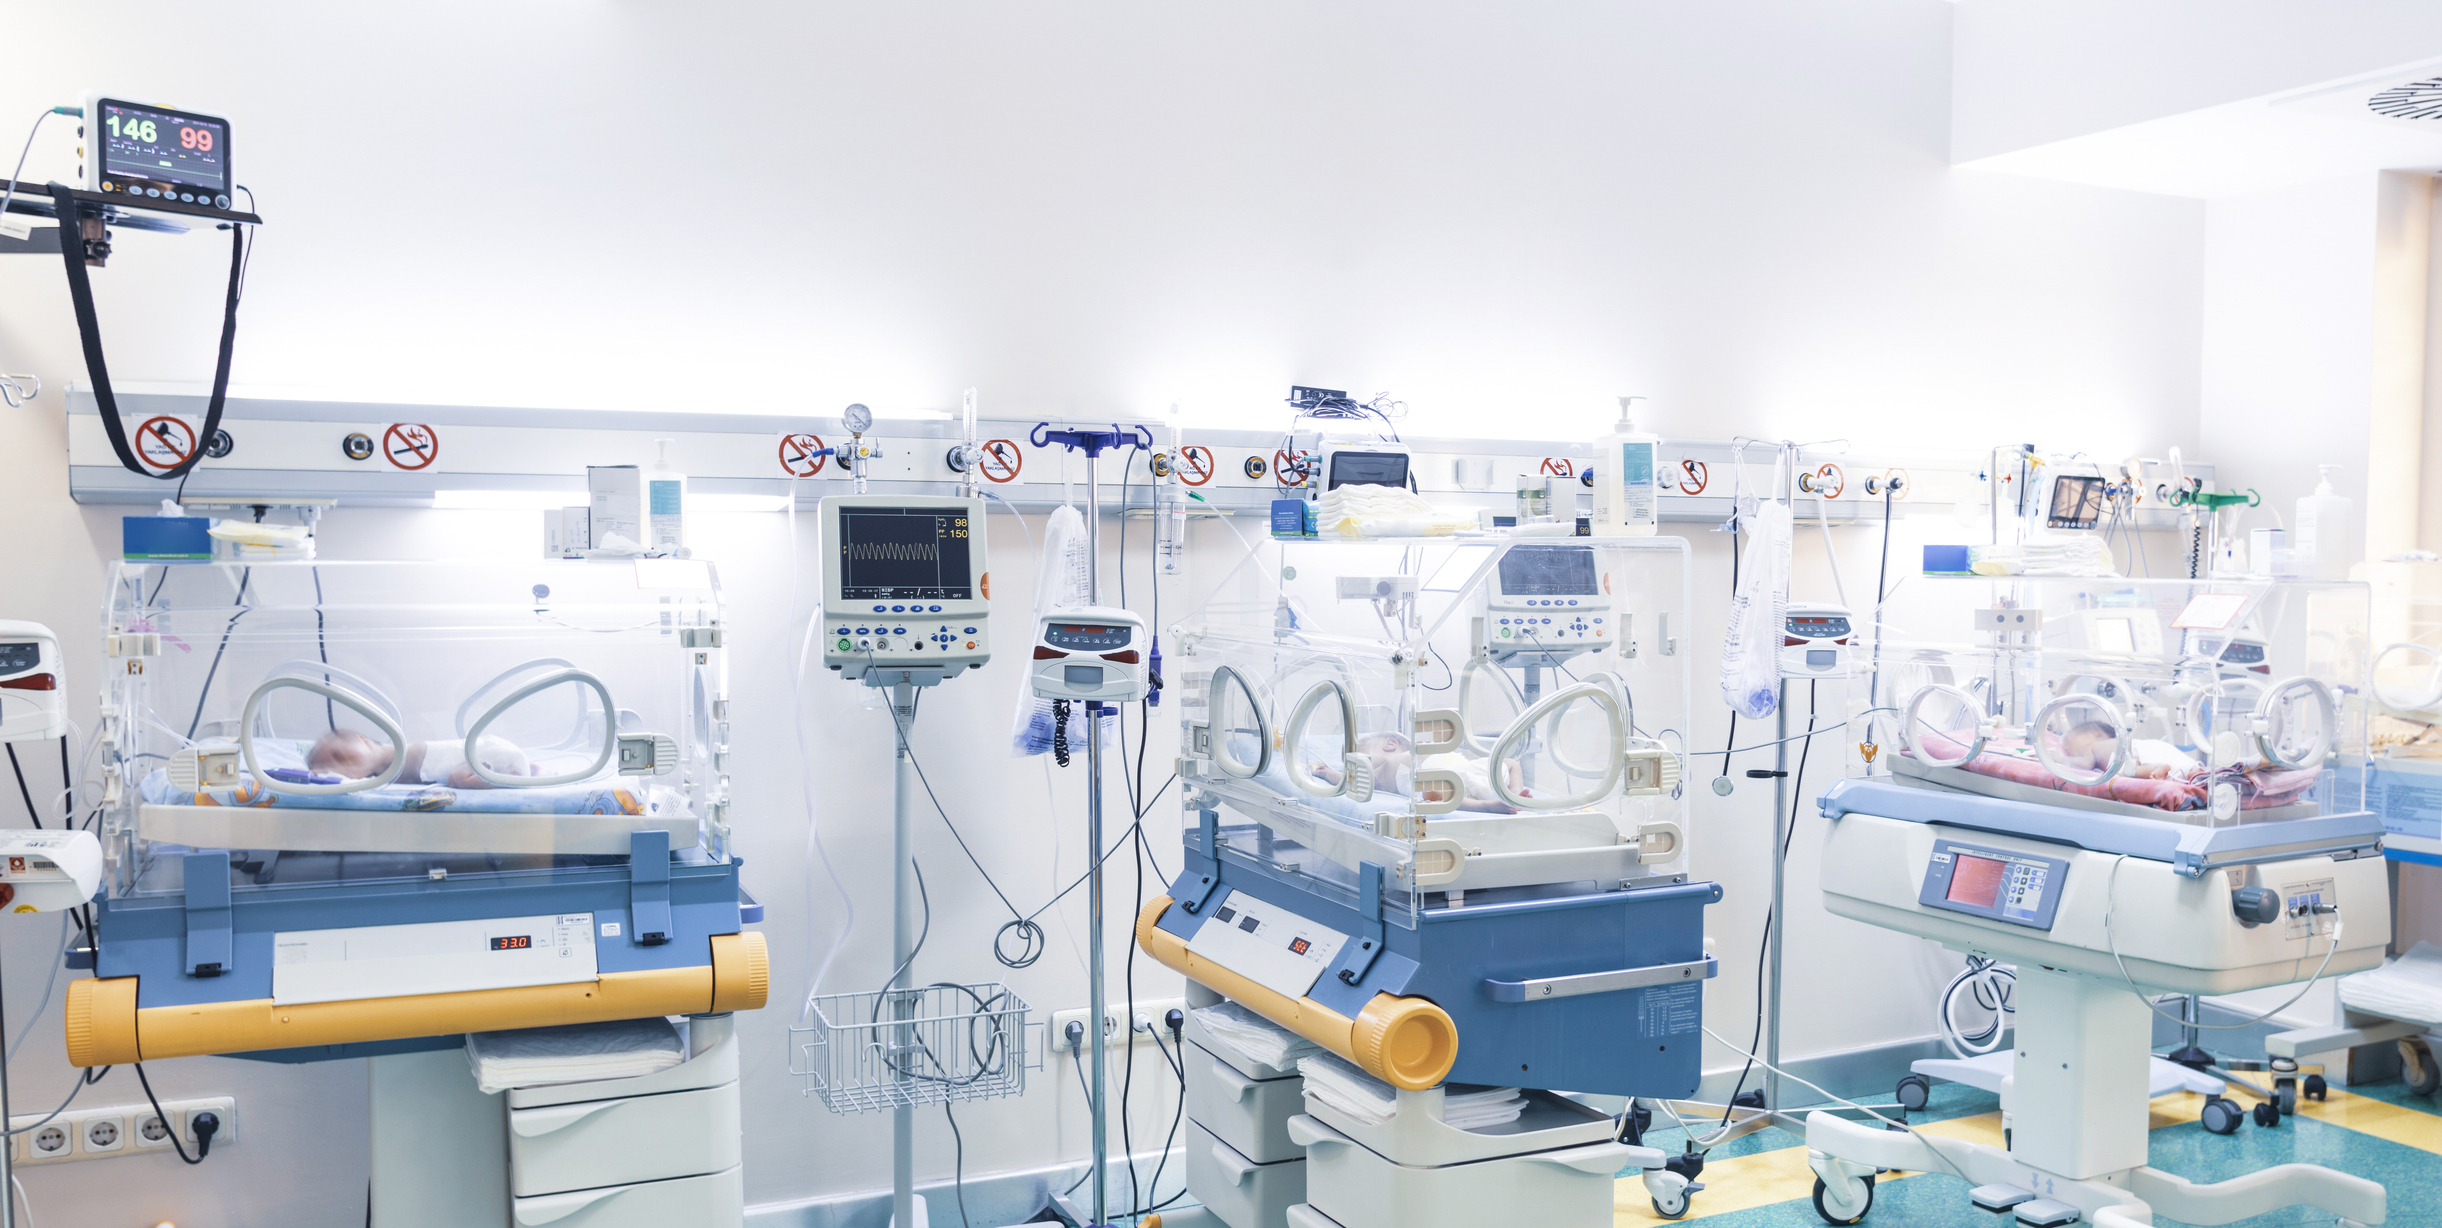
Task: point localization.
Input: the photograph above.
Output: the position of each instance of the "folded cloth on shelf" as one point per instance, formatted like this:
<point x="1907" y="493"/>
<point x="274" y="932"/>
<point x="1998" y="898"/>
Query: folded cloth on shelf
<point x="1385" y="511"/>
<point x="573" y="1053"/>
<point x="1348" y="1090"/>
<point x="2409" y="987"/>
<point x="1252" y="1037"/>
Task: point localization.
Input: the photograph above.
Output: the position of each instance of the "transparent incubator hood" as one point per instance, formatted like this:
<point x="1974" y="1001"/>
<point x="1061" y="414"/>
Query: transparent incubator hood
<point x="340" y="722"/>
<point x="1467" y="714"/>
<point x="2210" y="702"/>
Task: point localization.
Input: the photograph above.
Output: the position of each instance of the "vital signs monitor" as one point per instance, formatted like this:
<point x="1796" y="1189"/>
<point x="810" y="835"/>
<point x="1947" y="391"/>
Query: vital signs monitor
<point x="905" y="584"/>
<point x="145" y="153"/>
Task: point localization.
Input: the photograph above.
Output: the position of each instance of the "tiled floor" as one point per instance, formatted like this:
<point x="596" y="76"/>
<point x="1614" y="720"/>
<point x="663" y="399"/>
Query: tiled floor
<point x="2382" y="1132"/>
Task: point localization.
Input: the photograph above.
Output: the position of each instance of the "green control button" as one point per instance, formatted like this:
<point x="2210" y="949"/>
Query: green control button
<point x="845" y="646"/>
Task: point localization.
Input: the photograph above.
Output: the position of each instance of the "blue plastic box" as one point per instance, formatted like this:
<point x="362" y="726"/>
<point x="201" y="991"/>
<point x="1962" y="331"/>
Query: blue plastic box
<point x="166" y="539"/>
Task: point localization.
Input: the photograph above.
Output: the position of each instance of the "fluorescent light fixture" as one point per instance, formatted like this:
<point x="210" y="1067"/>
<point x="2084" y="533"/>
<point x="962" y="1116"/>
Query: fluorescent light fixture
<point x="509" y="500"/>
<point x="718" y="501"/>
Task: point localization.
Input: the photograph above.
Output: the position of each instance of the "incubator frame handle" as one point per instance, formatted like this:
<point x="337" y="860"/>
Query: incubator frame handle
<point x="1619" y="748"/>
<point x="576" y="735"/>
<point x="308" y="669"/>
<point x="1293" y="735"/>
<point x="1907" y="725"/>
<point x="610" y="732"/>
<point x="359" y="704"/>
<point x="1229" y="763"/>
<point x="1480" y="743"/>
<point x="2122" y="735"/>
<point x="2325" y="707"/>
<point x="2433" y="693"/>
<point x="1526" y="722"/>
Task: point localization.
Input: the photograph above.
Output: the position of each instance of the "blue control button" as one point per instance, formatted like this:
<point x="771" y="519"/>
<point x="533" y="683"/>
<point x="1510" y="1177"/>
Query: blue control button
<point x="863" y="631"/>
<point x="970" y="630"/>
<point x="1572" y="601"/>
<point x="881" y="609"/>
<point x="898" y="631"/>
<point x="1598" y="622"/>
<point x="1547" y="620"/>
<point x="936" y="609"/>
<point x="898" y="609"/>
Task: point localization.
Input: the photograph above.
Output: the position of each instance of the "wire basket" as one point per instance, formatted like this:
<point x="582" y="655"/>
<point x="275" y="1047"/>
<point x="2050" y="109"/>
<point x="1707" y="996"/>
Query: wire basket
<point x="900" y="1048"/>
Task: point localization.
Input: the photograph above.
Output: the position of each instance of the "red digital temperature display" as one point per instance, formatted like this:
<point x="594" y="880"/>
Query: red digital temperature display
<point x="1977" y="881"/>
<point x="516" y="942"/>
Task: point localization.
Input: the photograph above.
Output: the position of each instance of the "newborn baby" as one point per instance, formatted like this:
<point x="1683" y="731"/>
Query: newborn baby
<point x="1394" y="759"/>
<point x="2091" y="744"/>
<point x="347" y="753"/>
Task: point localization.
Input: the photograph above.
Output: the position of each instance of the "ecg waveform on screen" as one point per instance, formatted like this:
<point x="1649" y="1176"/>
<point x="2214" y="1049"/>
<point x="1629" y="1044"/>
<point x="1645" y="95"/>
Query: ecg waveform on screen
<point x="896" y="552"/>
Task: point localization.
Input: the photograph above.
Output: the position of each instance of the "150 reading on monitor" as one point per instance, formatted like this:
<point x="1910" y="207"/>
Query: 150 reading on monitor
<point x="904" y="554"/>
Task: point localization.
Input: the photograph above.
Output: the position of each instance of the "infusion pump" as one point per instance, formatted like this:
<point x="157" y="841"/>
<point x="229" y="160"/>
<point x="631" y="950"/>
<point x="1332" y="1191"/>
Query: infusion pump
<point x="1547" y="600"/>
<point x="33" y="690"/>
<point x="1091" y="653"/>
<point x="905" y="585"/>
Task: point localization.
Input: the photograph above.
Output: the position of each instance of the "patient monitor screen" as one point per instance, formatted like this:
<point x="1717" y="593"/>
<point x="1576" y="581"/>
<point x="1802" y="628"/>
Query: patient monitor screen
<point x="1977" y="881"/>
<point x="2077" y="503"/>
<point x="1548" y="571"/>
<point x="904" y="554"/>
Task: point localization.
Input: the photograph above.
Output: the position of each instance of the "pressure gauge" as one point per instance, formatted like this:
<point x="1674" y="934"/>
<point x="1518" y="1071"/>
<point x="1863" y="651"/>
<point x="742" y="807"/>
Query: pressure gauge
<point x="858" y="418"/>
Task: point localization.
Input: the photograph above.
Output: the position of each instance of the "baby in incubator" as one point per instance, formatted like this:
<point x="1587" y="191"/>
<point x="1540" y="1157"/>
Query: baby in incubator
<point x="347" y="753"/>
<point x="2093" y="742"/>
<point x="1394" y="763"/>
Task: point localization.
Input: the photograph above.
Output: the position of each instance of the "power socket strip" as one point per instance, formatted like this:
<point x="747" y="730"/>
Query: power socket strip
<point x="1151" y="1008"/>
<point x="100" y="1134"/>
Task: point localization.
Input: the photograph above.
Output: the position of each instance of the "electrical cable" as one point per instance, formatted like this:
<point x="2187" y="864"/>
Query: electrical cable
<point x="84" y="1079"/>
<point x="1843" y="1100"/>
<point x="202" y="696"/>
<point x="22" y="791"/>
<point x="30" y="133"/>
<point x="1172" y="1137"/>
<point x="1993" y="987"/>
<point x="1732" y="735"/>
<point x="2110" y="902"/>
<point x="49" y="984"/>
<point x="1797" y="797"/>
<point x="805" y="777"/>
<point x="958" y="1163"/>
<point x="155" y="1101"/>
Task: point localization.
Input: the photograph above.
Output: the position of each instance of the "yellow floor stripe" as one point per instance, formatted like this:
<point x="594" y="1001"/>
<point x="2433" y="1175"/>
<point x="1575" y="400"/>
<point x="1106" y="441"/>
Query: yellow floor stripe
<point x="1743" y="1182"/>
<point x="1767" y="1177"/>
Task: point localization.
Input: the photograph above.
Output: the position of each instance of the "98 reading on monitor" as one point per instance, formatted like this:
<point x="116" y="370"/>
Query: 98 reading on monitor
<point x="904" y="554"/>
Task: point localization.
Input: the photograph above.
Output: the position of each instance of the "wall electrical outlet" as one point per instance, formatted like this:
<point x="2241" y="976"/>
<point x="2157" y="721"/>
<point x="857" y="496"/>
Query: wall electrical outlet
<point x="100" y="1133"/>
<point x="1151" y="1008"/>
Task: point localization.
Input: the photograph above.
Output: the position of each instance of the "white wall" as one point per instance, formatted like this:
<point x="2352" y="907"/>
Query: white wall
<point x="1503" y="216"/>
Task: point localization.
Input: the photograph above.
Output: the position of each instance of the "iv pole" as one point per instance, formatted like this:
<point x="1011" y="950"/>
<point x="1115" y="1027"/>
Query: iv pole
<point x="1093" y="443"/>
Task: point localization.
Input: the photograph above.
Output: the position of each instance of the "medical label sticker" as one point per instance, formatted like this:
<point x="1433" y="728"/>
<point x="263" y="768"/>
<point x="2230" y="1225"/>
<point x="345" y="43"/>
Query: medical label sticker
<point x="800" y="455"/>
<point x="2211" y="612"/>
<point x="1289" y="467"/>
<point x="1670" y="1010"/>
<point x="1558" y="467"/>
<point x="164" y="443"/>
<point x="1002" y="460"/>
<point x="1195" y="464"/>
<point x="411" y="445"/>
<point x="2409" y="801"/>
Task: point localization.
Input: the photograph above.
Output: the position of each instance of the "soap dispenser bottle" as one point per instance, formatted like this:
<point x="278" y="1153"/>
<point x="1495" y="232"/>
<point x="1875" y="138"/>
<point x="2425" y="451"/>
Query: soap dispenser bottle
<point x="1626" y="504"/>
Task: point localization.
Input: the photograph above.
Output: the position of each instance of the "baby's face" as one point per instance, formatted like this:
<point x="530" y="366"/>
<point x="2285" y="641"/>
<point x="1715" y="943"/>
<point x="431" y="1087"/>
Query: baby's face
<point x="1390" y="759"/>
<point x="2094" y="750"/>
<point x="349" y="754"/>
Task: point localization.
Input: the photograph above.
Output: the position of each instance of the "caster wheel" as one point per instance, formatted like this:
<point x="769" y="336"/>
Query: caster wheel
<point x="2417" y="1067"/>
<point x="2221" y="1115"/>
<point x="1914" y="1092"/>
<point x="2316" y="1088"/>
<point x="2285" y="1098"/>
<point x="2266" y="1115"/>
<point x="1862" y="1192"/>
<point x="1676" y="1209"/>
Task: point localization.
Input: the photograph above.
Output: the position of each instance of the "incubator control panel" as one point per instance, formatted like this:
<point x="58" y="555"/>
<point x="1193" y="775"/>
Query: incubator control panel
<point x="905" y="583"/>
<point x="1267" y="944"/>
<point x="1993" y="884"/>
<point x="1548" y="600"/>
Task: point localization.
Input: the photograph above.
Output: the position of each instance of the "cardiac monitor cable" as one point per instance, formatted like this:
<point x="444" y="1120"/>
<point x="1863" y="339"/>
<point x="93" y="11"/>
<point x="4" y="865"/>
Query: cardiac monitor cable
<point x="2110" y="901"/>
<point x="1947" y="1162"/>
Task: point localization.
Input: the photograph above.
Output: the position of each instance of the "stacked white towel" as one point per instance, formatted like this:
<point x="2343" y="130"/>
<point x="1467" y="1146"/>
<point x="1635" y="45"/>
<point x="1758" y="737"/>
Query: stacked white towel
<point x="1252" y="1037"/>
<point x="2408" y="988"/>
<point x="1370" y="1100"/>
<point x="574" y="1053"/>
<point x="1385" y="511"/>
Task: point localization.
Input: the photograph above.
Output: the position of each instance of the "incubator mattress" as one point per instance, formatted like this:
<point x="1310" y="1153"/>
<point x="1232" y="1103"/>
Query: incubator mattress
<point x="2408" y="988"/>
<point x="607" y="794"/>
<point x="2261" y="789"/>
